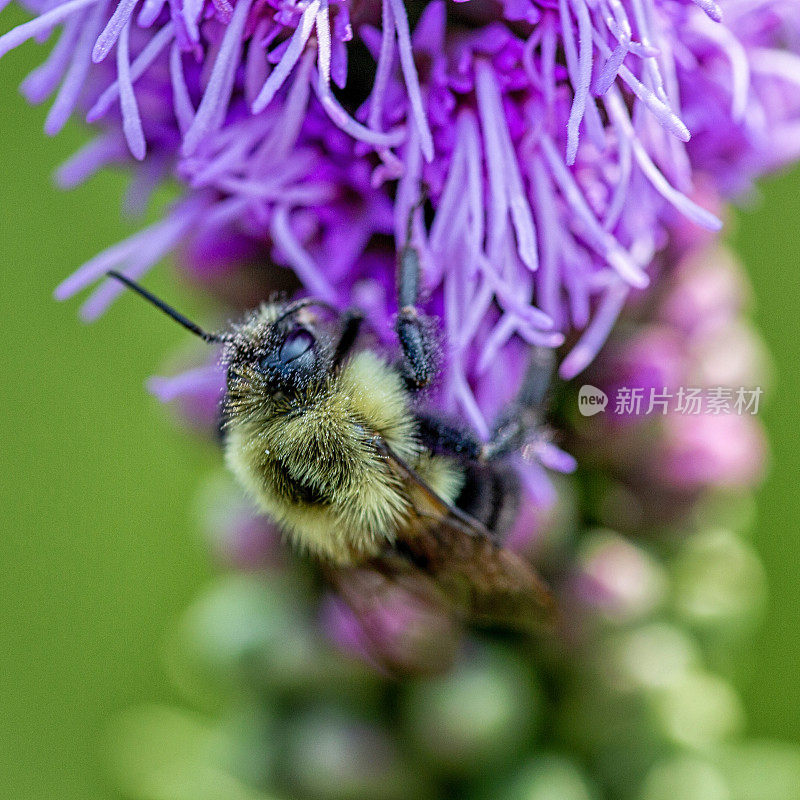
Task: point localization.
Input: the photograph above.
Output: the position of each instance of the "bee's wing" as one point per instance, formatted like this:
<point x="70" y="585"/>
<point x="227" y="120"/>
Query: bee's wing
<point x="493" y="584"/>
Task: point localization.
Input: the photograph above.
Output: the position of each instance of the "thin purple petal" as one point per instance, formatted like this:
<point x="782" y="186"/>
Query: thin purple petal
<point x="113" y="29"/>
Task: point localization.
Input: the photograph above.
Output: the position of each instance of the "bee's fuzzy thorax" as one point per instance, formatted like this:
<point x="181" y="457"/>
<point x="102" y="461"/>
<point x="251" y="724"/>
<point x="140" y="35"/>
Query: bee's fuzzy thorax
<point x="310" y="462"/>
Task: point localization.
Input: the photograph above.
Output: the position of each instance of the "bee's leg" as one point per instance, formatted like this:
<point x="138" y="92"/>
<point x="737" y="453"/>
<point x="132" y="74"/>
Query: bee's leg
<point x="414" y="330"/>
<point x="527" y="411"/>
<point x="443" y="438"/>
<point x="524" y="414"/>
<point x="351" y="324"/>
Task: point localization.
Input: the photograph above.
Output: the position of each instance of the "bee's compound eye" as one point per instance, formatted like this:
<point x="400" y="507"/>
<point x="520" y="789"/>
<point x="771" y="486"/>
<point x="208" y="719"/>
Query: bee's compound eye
<point x="296" y="344"/>
<point x="293" y="359"/>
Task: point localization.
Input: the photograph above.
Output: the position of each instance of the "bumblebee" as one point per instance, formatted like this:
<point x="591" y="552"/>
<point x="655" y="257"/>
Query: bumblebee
<point x="328" y="438"/>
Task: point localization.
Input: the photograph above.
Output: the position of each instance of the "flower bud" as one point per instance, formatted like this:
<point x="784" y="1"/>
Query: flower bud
<point x="685" y="778"/>
<point x="700" y="711"/>
<point x="616" y="578"/>
<point x="650" y="657"/>
<point x="725" y="450"/>
<point x="477" y="717"/>
<point x="330" y="756"/>
<point x="718" y="580"/>
<point x="246" y="632"/>
<point x="397" y="630"/>
<point x="547" y="777"/>
<point x="707" y="291"/>
<point x="731" y="355"/>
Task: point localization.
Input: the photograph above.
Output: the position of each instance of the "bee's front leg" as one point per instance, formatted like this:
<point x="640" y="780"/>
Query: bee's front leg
<point x="414" y="330"/>
<point x="348" y="333"/>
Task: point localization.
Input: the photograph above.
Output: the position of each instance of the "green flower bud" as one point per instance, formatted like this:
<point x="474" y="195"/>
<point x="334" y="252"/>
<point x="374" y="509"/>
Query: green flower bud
<point x="649" y="657"/>
<point x="700" y="711"/>
<point x="330" y="756"/>
<point x="718" y="580"/>
<point x="617" y="579"/>
<point x="249" y="632"/>
<point x="479" y="716"/>
<point x="685" y="778"/>
<point x="548" y="777"/>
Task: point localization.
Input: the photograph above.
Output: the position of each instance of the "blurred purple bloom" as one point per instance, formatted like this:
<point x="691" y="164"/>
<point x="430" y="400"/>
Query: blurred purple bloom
<point x="198" y="391"/>
<point x="740" y="84"/>
<point x="400" y="630"/>
<point x="240" y="537"/>
<point x="616" y="578"/>
<point x="726" y="450"/>
<point x="695" y="333"/>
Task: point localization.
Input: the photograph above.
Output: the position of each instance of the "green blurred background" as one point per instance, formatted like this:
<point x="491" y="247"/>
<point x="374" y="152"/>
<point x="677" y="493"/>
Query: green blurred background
<point x="100" y="550"/>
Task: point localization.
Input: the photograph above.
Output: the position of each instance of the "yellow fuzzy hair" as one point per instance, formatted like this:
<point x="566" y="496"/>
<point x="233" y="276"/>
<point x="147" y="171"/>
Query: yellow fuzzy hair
<point x="310" y="465"/>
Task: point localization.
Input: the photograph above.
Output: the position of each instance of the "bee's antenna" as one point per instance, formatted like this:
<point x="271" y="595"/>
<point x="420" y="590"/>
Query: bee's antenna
<point x="211" y="338"/>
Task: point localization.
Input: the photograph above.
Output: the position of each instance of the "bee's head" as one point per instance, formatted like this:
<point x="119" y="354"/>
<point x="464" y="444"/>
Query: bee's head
<point x="277" y="353"/>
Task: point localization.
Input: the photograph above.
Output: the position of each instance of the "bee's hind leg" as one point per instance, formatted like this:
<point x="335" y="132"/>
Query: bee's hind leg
<point x="442" y="437"/>
<point x="415" y="331"/>
<point x="527" y="411"/>
<point x="524" y="414"/>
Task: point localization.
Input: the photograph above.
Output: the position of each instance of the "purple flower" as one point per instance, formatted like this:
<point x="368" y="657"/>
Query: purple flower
<point x="551" y="142"/>
<point x="551" y="161"/>
<point x="567" y="201"/>
<point x="253" y="45"/>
